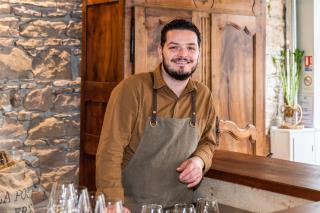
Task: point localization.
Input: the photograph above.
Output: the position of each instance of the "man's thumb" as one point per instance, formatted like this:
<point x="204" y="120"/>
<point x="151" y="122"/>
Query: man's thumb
<point x="182" y="166"/>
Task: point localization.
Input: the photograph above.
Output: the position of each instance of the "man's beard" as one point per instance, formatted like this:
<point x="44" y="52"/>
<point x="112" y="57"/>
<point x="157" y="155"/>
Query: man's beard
<point x="180" y="76"/>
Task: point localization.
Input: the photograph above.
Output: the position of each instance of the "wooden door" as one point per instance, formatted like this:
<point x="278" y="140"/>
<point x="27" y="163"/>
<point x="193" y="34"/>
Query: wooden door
<point x="102" y="70"/>
<point x="237" y="75"/>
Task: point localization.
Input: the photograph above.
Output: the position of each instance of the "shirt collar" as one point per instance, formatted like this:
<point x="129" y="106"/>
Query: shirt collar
<point x="159" y="82"/>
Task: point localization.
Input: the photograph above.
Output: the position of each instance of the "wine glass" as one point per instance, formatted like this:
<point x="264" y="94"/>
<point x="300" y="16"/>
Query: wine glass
<point x="183" y="208"/>
<point x="114" y="206"/>
<point x="83" y="204"/>
<point x="207" y="205"/>
<point x="151" y="208"/>
<point x="100" y="206"/>
<point x="62" y="198"/>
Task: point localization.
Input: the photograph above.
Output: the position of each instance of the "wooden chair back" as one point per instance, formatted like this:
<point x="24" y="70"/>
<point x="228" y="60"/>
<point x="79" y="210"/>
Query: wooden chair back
<point x="249" y="133"/>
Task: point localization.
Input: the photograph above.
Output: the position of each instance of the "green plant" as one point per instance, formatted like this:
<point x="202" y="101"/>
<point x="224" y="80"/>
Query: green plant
<point x="288" y="65"/>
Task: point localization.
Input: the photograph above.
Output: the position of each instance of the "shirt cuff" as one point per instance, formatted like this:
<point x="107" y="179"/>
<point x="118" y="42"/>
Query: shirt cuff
<point x="206" y="159"/>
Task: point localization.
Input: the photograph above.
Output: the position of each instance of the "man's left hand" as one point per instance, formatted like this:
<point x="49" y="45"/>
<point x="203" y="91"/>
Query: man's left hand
<point x="191" y="171"/>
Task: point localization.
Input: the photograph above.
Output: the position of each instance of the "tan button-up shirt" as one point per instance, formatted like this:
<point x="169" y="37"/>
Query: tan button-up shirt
<point x="128" y="111"/>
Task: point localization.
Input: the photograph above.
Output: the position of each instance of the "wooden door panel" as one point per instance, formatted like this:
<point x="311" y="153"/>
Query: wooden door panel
<point x="102" y="70"/>
<point x="234" y="48"/>
<point x="103" y="43"/>
<point x="94" y="110"/>
<point x="91" y="87"/>
<point x="240" y="6"/>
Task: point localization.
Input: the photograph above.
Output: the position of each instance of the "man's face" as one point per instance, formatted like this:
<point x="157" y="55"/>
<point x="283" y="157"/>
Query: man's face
<point x="180" y="54"/>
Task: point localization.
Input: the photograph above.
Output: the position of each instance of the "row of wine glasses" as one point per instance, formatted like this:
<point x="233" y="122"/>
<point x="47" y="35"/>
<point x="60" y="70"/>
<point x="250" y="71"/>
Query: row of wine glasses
<point x="203" y="205"/>
<point x="66" y="198"/>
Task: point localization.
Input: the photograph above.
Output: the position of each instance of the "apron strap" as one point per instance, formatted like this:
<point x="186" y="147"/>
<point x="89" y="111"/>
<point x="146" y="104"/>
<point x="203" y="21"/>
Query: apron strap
<point x="193" y="108"/>
<point x="153" y="121"/>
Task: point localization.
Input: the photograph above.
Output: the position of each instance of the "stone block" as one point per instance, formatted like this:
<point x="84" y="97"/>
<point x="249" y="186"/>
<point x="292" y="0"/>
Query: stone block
<point x="52" y="64"/>
<point x="15" y="98"/>
<point x="6" y="42"/>
<point x="67" y="83"/>
<point x="34" y="3"/>
<point x="53" y="42"/>
<point x="37" y="142"/>
<point x="58" y="141"/>
<point x="29" y="43"/>
<point x="72" y="127"/>
<point x="49" y="128"/>
<point x="43" y="28"/>
<point x="14" y="64"/>
<point x="7" y="31"/>
<point x="49" y="157"/>
<point x="63" y="90"/>
<point x="39" y="99"/>
<point x="37" y="115"/>
<point x="71" y="42"/>
<point x="30" y="85"/>
<point x="64" y="103"/>
<point x="74" y="143"/>
<point x="53" y="13"/>
<point x="4" y="8"/>
<point x="24" y="11"/>
<point x="5" y="102"/>
<point x="6" y="144"/>
<point x="24" y="116"/>
<point x="73" y="157"/>
<point x="74" y="29"/>
<point x="76" y="13"/>
<point x="12" y="131"/>
<point x="65" y="173"/>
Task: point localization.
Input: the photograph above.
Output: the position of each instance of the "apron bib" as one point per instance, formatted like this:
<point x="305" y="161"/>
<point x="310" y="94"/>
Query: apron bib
<point x="151" y="176"/>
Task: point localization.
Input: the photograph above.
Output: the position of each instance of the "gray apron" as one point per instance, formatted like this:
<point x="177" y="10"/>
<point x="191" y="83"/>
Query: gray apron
<point x="151" y="176"/>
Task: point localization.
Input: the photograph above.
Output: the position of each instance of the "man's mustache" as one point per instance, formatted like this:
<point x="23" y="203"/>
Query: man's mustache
<point x="181" y="59"/>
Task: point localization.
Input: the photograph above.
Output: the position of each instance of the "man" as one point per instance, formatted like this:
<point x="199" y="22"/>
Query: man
<point x="157" y="139"/>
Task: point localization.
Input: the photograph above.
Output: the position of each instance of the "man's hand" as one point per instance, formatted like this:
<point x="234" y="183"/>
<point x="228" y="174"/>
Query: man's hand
<point x="191" y="171"/>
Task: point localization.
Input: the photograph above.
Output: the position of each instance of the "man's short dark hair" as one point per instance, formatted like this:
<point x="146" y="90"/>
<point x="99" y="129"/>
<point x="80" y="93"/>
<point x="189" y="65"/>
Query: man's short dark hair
<point x="179" y="24"/>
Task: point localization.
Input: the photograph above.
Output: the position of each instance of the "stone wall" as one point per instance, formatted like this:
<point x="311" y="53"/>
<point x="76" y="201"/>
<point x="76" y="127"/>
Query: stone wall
<point x="40" y="85"/>
<point x="275" y="40"/>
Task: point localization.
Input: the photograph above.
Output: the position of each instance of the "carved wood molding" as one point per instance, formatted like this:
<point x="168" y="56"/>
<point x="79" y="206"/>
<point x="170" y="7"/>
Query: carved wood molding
<point x="248" y="133"/>
<point x="237" y="133"/>
<point x="203" y="4"/>
<point x="250" y="10"/>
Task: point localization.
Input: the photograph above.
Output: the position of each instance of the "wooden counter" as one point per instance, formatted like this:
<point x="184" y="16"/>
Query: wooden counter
<point x="275" y="175"/>
<point x="281" y="176"/>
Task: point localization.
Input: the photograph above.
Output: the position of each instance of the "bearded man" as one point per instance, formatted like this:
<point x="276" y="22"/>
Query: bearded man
<point x="157" y="139"/>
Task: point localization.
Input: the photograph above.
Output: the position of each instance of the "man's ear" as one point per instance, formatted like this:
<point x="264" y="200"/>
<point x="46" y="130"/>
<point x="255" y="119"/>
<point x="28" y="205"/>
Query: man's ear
<point x="160" y="52"/>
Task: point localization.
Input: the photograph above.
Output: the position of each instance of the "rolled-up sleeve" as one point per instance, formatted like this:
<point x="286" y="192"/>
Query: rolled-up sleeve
<point x="207" y="143"/>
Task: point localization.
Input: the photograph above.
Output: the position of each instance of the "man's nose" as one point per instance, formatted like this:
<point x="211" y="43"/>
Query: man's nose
<point x="182" y="51"/>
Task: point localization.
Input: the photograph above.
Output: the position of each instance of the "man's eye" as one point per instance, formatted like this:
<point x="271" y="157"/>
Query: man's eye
<point x="191" y="48"/>
<point x="173" y="47"/>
